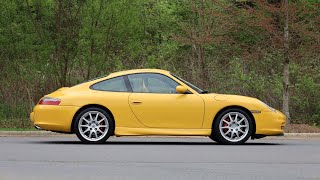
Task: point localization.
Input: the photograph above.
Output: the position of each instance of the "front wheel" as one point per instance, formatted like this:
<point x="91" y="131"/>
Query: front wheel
<point x="93" y="125"/>
<point x="232" y="126"/>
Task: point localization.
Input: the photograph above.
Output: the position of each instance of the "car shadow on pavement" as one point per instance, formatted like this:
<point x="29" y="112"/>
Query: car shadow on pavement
<point x="153" y="143"/>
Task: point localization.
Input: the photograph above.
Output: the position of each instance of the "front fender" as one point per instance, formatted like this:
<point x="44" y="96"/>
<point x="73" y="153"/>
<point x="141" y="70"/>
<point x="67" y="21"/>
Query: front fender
<point x="215" y="103"/>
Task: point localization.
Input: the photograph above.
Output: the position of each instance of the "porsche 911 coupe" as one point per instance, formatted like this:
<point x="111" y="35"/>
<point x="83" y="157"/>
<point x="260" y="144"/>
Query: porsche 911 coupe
<point x="145" y="102"/>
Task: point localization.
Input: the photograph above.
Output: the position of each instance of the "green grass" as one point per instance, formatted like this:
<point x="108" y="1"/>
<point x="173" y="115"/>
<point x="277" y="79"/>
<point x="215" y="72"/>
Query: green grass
<point x="14" y="124"/>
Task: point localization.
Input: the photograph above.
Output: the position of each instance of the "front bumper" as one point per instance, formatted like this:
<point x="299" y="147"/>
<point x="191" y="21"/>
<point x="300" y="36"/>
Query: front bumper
<point x="270" y="123"/>
<point x="53" y="118"/>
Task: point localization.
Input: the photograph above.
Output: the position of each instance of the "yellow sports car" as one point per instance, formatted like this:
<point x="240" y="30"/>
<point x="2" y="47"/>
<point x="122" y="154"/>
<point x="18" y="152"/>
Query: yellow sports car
<point x="153" y="102"/>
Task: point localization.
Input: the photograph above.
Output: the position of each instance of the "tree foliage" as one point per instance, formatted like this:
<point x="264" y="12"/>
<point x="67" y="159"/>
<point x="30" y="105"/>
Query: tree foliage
<point x="224" y="46"/>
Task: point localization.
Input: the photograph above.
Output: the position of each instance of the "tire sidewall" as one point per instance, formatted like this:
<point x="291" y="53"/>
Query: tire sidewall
<point x="216" y="134"/>
<point x="110" y="130"/>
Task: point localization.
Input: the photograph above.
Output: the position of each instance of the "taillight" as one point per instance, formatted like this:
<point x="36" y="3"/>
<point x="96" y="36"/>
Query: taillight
<point x="49" y="101"/>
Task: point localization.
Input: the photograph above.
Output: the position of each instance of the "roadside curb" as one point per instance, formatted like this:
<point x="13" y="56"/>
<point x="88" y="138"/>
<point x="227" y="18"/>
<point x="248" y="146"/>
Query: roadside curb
<point x="30" y="134"/>
<point x="295" y="136"/>
<point x="48" y="134"/>
<point x="302" y="134"/>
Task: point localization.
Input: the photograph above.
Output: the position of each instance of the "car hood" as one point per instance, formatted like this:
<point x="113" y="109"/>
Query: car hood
<point x="235" y="100"/>
<point x="226" y="97"/>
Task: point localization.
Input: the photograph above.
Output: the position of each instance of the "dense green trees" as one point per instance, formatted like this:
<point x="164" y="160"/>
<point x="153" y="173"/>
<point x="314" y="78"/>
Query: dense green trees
<point x="224" y="46"/>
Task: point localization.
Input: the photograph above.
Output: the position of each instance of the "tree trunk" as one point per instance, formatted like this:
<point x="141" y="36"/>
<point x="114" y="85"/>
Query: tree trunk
<point x="285" y="105"/>
<point x="286" y="82"/>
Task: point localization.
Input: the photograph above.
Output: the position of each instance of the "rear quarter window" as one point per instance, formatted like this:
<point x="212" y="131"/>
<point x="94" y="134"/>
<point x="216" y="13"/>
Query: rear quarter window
<point x="115" y="85"/>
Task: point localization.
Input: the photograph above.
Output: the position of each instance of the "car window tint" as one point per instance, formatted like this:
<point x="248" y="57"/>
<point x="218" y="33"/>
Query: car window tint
<point x="115" y="84"/>
<point x="152" y="83"/>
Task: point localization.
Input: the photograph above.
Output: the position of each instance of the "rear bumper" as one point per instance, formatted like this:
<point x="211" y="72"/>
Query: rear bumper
<point x="53" y="118"/>
<point x="32" y="116"/>
<point x="270" y="123"/>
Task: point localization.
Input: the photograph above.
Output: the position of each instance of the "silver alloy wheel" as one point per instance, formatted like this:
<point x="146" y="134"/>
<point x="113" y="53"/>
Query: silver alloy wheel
<point x="93" y="126"/>
<point x="234" y="126"/>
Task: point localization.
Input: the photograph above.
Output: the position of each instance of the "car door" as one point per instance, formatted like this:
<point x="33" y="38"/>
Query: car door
<point x="156" y="103"/>
<point x="113" y="93"/>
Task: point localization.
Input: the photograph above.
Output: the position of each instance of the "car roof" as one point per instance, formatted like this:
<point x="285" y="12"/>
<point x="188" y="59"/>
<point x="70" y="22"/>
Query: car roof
<point x="133" y="71"/>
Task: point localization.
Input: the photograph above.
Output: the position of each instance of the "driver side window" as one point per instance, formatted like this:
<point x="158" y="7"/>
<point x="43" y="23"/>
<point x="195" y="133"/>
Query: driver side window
<point x="152" y="83"/>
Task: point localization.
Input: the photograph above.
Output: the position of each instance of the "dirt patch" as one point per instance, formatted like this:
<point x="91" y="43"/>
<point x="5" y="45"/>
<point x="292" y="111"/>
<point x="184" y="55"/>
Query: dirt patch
<point x="301" y="128"/>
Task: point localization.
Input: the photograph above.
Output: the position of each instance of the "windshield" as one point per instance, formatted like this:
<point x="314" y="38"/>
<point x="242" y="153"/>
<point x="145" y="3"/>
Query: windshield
<point x="189" y="84"/>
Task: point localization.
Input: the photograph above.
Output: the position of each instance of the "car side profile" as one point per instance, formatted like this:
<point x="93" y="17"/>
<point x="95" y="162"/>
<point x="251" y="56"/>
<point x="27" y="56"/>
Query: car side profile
<point x="153" y="102"/>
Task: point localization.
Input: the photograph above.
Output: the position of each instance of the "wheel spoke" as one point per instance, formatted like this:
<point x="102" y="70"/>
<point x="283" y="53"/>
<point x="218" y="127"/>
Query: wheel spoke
<point x="232" y="133"/>
<point x="241" y="126"/>
<point x="101" y="120"/>
<point x="240" y="121"/>
<point x="227" y="132"/>
<point x="226" y="121"/>
<point x="241" y="131"/>
<point x="90" y="134"/>
<point x="86" y="130"/>
<point x="237" y="133"/>
<point x="85" y="120"/>
<point x="95" y="133"/>
<point x="100" y="131"/>
<point x="102" y="126"/>
<point x="96" y="118"/>
<point x="236" y="118"/>
<point x="225" y="127"/>
<point x="90" y="115"/>
<point x="230" y="118"/>
<point x="85" y="126"/>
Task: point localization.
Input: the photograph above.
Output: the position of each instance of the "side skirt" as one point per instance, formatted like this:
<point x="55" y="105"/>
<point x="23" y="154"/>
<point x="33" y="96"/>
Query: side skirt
<point x="124" y="131"/>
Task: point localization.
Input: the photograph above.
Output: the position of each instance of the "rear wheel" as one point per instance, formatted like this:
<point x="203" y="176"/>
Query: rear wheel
<point x="93" y="125"/>
<point x="232" y="126"/>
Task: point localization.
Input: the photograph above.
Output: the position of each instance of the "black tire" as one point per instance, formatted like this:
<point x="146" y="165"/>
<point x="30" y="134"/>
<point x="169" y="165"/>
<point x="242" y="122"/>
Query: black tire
<point x="102" y="138"/>
<point x="212" y="137"/>
<point x="216" y="134"/>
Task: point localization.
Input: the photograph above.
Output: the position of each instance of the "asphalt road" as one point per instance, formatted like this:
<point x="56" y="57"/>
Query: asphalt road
<point x="157" y="158"/>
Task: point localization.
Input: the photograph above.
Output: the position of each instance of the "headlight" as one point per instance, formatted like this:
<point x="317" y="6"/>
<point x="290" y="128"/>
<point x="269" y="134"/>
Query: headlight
<point x="272" y="109"/>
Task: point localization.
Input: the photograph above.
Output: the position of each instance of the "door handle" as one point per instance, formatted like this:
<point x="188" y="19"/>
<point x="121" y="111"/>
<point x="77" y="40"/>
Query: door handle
<point x="136" y="102"/>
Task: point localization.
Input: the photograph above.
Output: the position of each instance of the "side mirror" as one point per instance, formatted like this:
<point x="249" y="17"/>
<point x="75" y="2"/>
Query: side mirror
<point x="181" y="89"/>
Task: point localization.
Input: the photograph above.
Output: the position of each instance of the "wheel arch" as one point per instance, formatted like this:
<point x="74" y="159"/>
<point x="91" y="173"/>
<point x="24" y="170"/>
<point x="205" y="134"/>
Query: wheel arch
<point x="90" y="106"/>
<point x="237" y="107"/>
